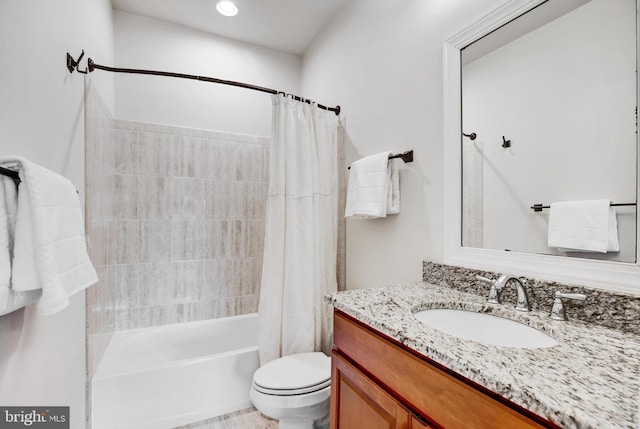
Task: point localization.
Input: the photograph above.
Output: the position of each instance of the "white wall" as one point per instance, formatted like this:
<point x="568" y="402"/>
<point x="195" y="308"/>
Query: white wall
<point x="151" y="44"/>
<point x="42" y="358"/>
<point x="382" y="62"/>
<point x="564" y="95"/>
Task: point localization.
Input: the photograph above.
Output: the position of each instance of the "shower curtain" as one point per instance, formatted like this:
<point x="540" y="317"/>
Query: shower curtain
<point x="299" y="260"/>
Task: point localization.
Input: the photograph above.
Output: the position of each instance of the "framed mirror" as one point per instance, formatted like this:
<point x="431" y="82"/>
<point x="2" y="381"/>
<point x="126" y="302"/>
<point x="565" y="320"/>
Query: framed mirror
<point x="548" y="89"/>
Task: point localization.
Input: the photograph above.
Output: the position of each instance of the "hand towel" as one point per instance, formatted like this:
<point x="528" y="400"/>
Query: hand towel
<point x="393" y="193"/>
<point x="10" y="300"/>
<point x="588" y="226"/>
<point x="25" y="271"/>
<point x="8" y="205"/>
<point x="373" y="190"/>
<point x="50" y="231"/>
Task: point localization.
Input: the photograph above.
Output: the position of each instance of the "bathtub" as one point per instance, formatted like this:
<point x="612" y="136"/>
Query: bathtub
<point x="163" y="377"/>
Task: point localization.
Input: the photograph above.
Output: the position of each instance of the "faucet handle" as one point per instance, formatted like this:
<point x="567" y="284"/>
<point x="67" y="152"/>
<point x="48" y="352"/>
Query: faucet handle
<point x="557" y="311"/>
<point x="486" y="280"/>
<point x="494" y="292"/>
<point x="574" y="296"/>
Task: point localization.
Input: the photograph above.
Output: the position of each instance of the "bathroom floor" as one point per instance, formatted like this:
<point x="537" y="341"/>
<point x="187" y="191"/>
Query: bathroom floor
<point x="245" y="419"/>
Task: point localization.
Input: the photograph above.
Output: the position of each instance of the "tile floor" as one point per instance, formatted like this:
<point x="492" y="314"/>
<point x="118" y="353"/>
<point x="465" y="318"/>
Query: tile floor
<point x="245" y="419"/>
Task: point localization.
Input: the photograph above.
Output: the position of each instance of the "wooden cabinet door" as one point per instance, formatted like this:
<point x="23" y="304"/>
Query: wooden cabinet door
<point x="358" y="403"/>
<point x="416" y="423"/>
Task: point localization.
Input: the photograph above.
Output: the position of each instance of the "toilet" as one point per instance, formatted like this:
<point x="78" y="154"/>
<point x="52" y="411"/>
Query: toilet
<point x="294" y="390"/>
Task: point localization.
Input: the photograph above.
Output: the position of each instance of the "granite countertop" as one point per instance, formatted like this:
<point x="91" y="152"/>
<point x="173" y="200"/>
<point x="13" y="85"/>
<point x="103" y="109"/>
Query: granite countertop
<point x="590" y="380"/>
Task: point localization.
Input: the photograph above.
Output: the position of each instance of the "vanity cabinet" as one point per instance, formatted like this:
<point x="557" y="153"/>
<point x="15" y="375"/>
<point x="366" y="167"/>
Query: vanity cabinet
<point x="380" y="383"/>
<point x="362" y="403"/>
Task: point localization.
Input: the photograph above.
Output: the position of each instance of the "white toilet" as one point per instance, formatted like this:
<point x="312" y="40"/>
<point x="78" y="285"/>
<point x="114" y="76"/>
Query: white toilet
<point x="294" y="390"/>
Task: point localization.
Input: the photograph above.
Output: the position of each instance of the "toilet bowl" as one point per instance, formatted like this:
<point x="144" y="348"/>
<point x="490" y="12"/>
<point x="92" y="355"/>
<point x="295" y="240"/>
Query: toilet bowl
<point x="294" y="390"/>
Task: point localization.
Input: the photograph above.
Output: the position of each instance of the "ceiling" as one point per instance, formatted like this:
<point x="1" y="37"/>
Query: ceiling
<point x="285" y="25"/>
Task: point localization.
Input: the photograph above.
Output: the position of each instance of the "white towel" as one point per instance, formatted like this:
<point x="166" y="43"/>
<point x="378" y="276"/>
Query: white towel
<point x="373" y="190"/>
<point x="50" y="251"/>
<point x="393" y="194"/>
<point x="10" y="300"/>
<point x="587" y="226"/>
<point x="8" y="206"/>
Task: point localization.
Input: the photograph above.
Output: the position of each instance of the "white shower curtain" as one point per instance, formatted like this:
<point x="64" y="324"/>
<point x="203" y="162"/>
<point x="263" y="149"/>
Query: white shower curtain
<point x="299" y="262"/>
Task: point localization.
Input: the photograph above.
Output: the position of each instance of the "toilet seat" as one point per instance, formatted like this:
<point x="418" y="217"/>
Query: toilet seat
<point x="290" y="392"/>
<point x="294" y="375"/>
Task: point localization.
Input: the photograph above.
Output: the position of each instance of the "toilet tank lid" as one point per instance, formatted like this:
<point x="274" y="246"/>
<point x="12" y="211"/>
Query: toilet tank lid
<point x="294" y="371"/>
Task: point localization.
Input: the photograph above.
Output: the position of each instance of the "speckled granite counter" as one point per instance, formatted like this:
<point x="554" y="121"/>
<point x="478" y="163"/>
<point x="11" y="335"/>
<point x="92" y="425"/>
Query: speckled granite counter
<point x="590" y="380"/>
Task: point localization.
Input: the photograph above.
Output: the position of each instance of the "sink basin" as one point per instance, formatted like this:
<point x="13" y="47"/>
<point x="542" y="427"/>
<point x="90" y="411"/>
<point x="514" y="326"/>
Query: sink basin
<point x="485" y="328"/>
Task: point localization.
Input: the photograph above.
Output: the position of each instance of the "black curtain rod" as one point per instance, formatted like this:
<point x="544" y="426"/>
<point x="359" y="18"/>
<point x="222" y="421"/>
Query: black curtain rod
<point x="91" y="66"/>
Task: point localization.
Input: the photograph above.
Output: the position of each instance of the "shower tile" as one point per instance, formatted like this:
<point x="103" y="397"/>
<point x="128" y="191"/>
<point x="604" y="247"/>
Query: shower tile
<point x="247" y="276"/>
<point x="188" y="198"/>
<point x="219" y="160"/>
<point x="154" y="154"/>
<point x="189" y="132"/>
<point x="248" y="238"/>
<point x="99" y="241"/>
<point x="155" y="128"/>
<point x="247" y="304"/>
<point x="94" y="300"/>
<point x="162" y="315"/>
<point x="250" y="200"/>
<point x="126" y="280"/>
<point x="103" y="207"/>
<point x="218" y="238"/>
<point x="187" y="312"/>
<point x="188" y="281"/>
<point x="154" y="197"/>
<point x="90" y="188"/>
<point x="91" y="136"/>
<point x="108" y="321"/>
<point x="218" y="278"/>
<point x="125" y="196"/>
<point x="265" y="160"/>
<point x="126" y="318"/>
<point x="207" y="309"/>
<point x="219" y="199"/>
<point x="155" y="284"/>
<point x="154" y="237"/>
<point x="121" y="124"/>
<point x="105" y="149"/>
<point x="226" y="307"/>
<point x="126" y="242"/>
<point x="187" y="156"/>
<point x="125" y="152"/>
<point x="250" y="165"/>
<point x="170" y="208"/>
<point x="187" y="239"/>
<point x="144" y="318"/>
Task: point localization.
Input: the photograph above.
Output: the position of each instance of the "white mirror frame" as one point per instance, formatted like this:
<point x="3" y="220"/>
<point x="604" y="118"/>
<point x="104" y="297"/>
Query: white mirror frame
<point x="612" y="276"/>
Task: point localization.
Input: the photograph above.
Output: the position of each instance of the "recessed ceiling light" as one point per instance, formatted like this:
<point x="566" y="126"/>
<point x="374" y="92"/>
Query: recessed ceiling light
<point x="227" y="8"/>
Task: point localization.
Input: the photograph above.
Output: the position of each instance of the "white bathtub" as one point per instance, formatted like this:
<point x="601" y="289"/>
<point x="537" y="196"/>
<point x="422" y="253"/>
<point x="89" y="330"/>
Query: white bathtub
<point x="167" y="376"/>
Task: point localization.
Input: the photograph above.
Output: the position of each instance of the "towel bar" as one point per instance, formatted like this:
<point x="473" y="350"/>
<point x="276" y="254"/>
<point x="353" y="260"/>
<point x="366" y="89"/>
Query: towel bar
<point x="405" y="156"/>
<point x="10" y="173"/>
<point x="539" y="207"/>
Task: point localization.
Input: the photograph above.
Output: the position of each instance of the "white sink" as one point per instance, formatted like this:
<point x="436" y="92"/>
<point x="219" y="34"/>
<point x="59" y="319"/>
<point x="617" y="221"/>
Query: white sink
<point x="485" y="328"/>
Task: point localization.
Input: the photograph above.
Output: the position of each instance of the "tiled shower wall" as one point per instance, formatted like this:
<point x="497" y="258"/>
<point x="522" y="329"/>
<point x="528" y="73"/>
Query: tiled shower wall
<point x="99" y="216"/>
<point x="188" y="223"/>
<point x="175" y="223"/>
<point x="100" y="298"/>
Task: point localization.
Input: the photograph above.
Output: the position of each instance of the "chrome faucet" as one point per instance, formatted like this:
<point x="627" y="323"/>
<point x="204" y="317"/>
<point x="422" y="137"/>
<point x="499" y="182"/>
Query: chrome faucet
<point x="522" y="301"/>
